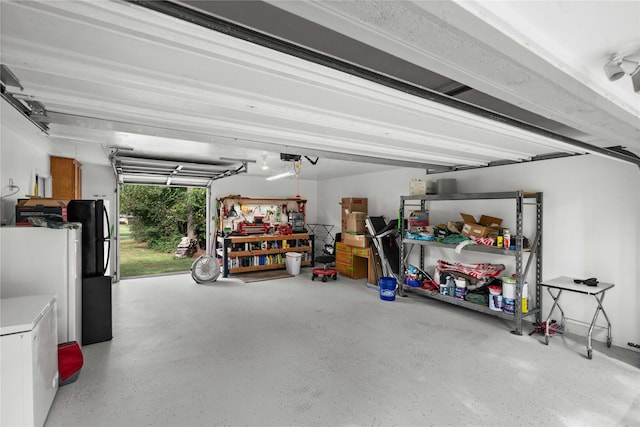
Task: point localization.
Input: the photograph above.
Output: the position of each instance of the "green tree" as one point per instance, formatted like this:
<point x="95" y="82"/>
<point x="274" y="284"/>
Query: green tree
<point x="161" y="215"/>
<point x="196" y="204"/>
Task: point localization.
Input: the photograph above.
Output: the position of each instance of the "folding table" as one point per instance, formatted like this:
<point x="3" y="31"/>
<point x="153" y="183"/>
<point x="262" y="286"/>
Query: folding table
<point x="567" y="284"/>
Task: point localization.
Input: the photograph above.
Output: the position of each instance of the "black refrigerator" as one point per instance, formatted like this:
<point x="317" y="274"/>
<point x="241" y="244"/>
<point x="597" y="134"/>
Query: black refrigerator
<point x="96" y="287"/>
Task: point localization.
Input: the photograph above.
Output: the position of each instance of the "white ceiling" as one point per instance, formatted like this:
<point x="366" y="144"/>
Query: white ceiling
<point x="115" y="74"/>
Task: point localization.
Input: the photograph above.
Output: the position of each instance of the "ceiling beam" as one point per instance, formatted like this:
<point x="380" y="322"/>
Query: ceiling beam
<point x="134" y="128"/>
<point x="228" y="28"/>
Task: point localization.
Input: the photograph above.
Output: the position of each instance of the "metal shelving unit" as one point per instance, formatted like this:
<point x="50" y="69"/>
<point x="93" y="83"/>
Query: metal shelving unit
<point x="521" y="198"/>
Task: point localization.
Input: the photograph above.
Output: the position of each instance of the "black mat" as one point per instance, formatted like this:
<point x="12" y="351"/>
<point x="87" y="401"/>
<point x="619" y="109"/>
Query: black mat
<point x="262" y="275"/>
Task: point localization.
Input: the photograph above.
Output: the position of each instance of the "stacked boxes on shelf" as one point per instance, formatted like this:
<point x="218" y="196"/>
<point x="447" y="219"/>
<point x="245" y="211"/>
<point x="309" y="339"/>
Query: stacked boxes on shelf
<point x="354" y="212"/>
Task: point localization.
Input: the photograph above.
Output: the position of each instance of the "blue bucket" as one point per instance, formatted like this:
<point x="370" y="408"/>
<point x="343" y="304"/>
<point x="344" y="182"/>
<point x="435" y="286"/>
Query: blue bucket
<point x="387" y="288"/>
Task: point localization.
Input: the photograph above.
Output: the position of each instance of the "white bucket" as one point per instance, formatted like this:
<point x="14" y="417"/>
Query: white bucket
<point x="509" y="287"/>
<point x="509" y="292"/>
<point x="293" y="261"/>
<point x="461" y="288"/>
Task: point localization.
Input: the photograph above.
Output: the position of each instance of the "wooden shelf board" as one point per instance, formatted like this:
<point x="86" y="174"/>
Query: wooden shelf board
<point x="265" y="238"/>
<point x="263" y="267"/>
<point x="257" y="252"/>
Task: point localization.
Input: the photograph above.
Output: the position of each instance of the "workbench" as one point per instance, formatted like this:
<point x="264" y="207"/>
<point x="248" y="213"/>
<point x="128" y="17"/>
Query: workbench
<point x="562" y="284"/>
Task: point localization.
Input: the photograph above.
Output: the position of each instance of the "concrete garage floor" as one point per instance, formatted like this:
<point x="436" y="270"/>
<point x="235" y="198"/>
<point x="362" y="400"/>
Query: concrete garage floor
<point x="292" y="352"/>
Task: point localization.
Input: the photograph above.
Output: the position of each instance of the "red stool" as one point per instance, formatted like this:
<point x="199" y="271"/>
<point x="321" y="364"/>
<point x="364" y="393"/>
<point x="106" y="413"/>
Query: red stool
<point x="325" y="271"/>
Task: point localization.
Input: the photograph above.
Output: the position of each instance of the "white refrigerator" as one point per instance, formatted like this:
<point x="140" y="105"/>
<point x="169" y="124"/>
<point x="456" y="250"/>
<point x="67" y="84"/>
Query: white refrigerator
<point x="40" y="260"/>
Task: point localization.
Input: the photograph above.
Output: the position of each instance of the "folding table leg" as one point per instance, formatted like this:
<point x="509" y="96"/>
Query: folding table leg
<point x="556" y="303"/>
<point x="593" y="323"/>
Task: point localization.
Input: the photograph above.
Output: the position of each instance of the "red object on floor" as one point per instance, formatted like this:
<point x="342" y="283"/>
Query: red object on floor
<point x="324" y="273"/>
<point x="70" y="361"/>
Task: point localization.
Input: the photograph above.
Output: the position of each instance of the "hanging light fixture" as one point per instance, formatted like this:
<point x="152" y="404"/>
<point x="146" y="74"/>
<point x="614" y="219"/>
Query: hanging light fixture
<point x="281" y="175"/>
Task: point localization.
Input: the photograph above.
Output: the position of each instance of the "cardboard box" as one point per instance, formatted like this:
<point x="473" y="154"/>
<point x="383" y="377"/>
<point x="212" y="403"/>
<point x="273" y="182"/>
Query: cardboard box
<point x="43" y="201"/>
<point x="351" y="204"/>
<point x="354" y="204"/>
<point x="41" y="207"/>
<point x="417" y="187"/>
<point x="419" y="215"/>
<point x="355" y="222"/>
<point x="357" y="240"/>
<point x="418" y="221"/>
<point x="484" y="227"/>
<point x="417" y="224"/>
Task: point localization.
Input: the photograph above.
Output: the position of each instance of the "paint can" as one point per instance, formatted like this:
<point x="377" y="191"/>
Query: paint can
<point x="509" y="306"/>
<point x="509" y="292"/>
<point x="509" y="287"/>
<point x="496" y="302"/>
<point x="461" y="288"/>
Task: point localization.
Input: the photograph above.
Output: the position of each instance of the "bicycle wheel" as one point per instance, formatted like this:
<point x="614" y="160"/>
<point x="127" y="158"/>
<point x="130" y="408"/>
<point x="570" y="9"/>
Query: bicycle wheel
<point x="205" y="269"/>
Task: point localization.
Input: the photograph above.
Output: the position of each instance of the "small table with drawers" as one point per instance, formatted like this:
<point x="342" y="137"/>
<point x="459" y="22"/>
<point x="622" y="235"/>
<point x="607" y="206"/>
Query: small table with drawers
<point x="354" y="262"/>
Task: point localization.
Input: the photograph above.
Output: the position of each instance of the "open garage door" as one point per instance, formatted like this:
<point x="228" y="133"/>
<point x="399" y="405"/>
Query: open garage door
<point x="155" y="171"/>
<point x="173" y="172"/>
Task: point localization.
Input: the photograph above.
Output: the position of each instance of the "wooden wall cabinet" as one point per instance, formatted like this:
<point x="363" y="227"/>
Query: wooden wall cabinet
<point x="66" y="178"/>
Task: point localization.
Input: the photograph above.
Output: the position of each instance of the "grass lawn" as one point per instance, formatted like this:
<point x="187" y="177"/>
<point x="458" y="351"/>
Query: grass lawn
<point x="138" y="260"/>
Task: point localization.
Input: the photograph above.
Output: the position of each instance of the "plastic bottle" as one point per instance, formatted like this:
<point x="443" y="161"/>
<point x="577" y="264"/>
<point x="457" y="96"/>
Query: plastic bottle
<point x="451" y="286"/>
<point x="500" y="239"/>
<point x="506" y="238"/>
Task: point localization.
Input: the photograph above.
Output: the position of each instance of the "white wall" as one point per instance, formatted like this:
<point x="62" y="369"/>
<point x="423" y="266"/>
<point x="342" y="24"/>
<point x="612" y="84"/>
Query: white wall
<point x="591" y="223"/>
<point x="23" y="150"/>
<point x="99" y="182"/>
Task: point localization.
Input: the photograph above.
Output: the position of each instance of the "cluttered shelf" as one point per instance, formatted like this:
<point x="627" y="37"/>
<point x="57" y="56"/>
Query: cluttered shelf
<point x="266" y="238"/>
<point x="262" y="252"/>
<point x="464" y="303"/>
<point x="233" y="254"/>
<point x="473" y="196"/>
<point x="246" y="215"/>
<point x="469" y="247"/>
<point x="263" y="267"/>
<point x="485" y="235"/>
